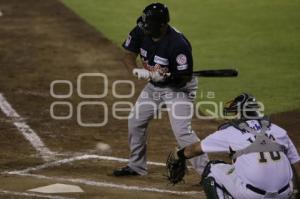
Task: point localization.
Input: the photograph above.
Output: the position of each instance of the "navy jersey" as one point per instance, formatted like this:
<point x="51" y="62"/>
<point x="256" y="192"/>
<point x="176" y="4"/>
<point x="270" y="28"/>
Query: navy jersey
<point x="172" y="54"/>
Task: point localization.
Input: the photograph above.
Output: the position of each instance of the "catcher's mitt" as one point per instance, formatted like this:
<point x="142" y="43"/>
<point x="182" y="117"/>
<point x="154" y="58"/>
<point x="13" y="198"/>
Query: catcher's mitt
<point x="176" y="168"/>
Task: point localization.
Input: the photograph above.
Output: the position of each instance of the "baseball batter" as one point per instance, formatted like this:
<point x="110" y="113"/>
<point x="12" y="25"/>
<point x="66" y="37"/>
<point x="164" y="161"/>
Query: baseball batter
<point x="262" y="152"/>
<point x="167" y="61"/>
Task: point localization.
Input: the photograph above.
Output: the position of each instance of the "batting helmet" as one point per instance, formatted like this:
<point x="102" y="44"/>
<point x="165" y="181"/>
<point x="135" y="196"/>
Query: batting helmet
<point x="153" y="18"/>
<point x="245" y="104"/>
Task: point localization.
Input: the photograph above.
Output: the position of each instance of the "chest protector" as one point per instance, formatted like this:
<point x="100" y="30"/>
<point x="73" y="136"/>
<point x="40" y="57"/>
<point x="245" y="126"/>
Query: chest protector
<point x="262" y="142"/>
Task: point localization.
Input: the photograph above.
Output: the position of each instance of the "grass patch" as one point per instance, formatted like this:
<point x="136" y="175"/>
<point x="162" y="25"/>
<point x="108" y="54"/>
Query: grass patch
<point x="259" y="37"/>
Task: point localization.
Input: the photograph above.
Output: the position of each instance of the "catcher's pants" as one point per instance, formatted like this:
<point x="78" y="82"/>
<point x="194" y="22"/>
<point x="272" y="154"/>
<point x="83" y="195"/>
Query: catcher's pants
<point x="225" y="176"/>
<point x="179" y="104"/>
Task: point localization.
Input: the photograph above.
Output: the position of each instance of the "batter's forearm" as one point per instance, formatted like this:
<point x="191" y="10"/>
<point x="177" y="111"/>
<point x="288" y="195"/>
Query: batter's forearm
<point x="129" y="60"/>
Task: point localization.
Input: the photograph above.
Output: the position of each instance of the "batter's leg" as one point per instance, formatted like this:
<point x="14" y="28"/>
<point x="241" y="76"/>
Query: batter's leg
<point x="180" y="109"/>
<point x="142" y="113"/>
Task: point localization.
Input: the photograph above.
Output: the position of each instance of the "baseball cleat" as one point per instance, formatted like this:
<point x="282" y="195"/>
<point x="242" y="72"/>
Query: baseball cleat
<point x="125" y="171"/>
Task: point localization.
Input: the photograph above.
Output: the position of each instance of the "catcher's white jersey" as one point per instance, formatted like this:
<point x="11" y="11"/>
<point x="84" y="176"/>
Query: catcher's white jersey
<point x="267" y="171"/>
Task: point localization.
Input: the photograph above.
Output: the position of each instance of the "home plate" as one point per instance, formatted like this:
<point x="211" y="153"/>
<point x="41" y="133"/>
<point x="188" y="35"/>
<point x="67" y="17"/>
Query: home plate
<point x="58" y="188"/>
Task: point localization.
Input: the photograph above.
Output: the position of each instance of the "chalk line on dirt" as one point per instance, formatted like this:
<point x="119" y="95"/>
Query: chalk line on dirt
<point x="110" y="185"/>
<point x="38" y="144"/>
<point x="77" y="158"/>
<point x="4" y="192"/>
<point x="26" y="131"/>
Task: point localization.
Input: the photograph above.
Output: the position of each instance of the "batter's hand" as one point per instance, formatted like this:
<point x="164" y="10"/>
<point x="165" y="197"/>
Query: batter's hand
<point x="141" y="73"/>
<point x="158" y="76"/>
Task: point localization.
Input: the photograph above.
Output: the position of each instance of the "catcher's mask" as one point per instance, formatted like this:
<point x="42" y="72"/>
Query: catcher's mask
<point x="153" y="18"/>
<point x="245" y="105"/>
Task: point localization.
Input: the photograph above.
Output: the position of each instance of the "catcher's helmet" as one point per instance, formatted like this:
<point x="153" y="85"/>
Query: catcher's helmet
<point x="153" y="18"/>
<point x="245" y="104"/>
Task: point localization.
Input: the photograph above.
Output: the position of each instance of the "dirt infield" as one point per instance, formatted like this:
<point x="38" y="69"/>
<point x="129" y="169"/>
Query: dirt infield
<point x="42" y="41"/>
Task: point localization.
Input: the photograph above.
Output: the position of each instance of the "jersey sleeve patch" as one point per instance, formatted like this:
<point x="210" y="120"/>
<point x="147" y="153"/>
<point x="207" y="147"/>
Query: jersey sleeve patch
<point x="182" y="67"/>
<point x="181" y="59"/>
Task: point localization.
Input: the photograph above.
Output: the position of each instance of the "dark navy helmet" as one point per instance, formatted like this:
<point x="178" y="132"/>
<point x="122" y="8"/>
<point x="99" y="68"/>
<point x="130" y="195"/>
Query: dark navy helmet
<point x="153" y="18"/>
<point x="245" y="104"/>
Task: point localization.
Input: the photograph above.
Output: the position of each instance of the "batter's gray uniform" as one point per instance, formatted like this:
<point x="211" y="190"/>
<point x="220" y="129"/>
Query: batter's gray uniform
<point x="172" y="54"/>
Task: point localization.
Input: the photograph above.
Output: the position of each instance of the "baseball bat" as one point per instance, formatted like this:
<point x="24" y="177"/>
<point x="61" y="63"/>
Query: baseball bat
<point x="216" y="73"/>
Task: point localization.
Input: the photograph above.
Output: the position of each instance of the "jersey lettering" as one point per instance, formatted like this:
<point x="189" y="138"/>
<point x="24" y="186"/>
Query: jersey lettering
<point x="161" y="60"/>
<point x="182" y="67"/>
<point x="250" y="140"/>
<point x="143" y="52"/>
<point x="274" y="155"/>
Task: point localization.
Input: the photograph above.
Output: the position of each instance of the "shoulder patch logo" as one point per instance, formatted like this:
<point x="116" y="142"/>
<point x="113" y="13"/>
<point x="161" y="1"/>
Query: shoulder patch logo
<point x="181" y="59"/>
<point x="128" y="40"/>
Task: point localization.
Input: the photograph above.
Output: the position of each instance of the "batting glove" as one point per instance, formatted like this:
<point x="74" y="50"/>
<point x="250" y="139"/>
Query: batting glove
<point x="141" y="73"/>
<point x="158" y="75"/>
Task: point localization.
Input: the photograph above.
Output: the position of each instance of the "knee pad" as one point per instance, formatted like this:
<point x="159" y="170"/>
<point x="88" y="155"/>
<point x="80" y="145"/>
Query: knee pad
<point x="210" y="188"/>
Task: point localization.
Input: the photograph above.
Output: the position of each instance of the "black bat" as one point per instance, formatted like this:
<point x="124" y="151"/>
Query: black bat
<point x="216" y="73"/>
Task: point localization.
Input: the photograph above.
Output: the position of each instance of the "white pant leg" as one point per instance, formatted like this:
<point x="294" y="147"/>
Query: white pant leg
<point x="226" y="176"/>
<point x="180" y="110"/>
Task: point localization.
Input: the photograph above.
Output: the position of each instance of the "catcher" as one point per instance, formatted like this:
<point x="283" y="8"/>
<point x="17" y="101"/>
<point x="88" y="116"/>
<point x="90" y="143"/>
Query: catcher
<point x="263" y="156"/>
